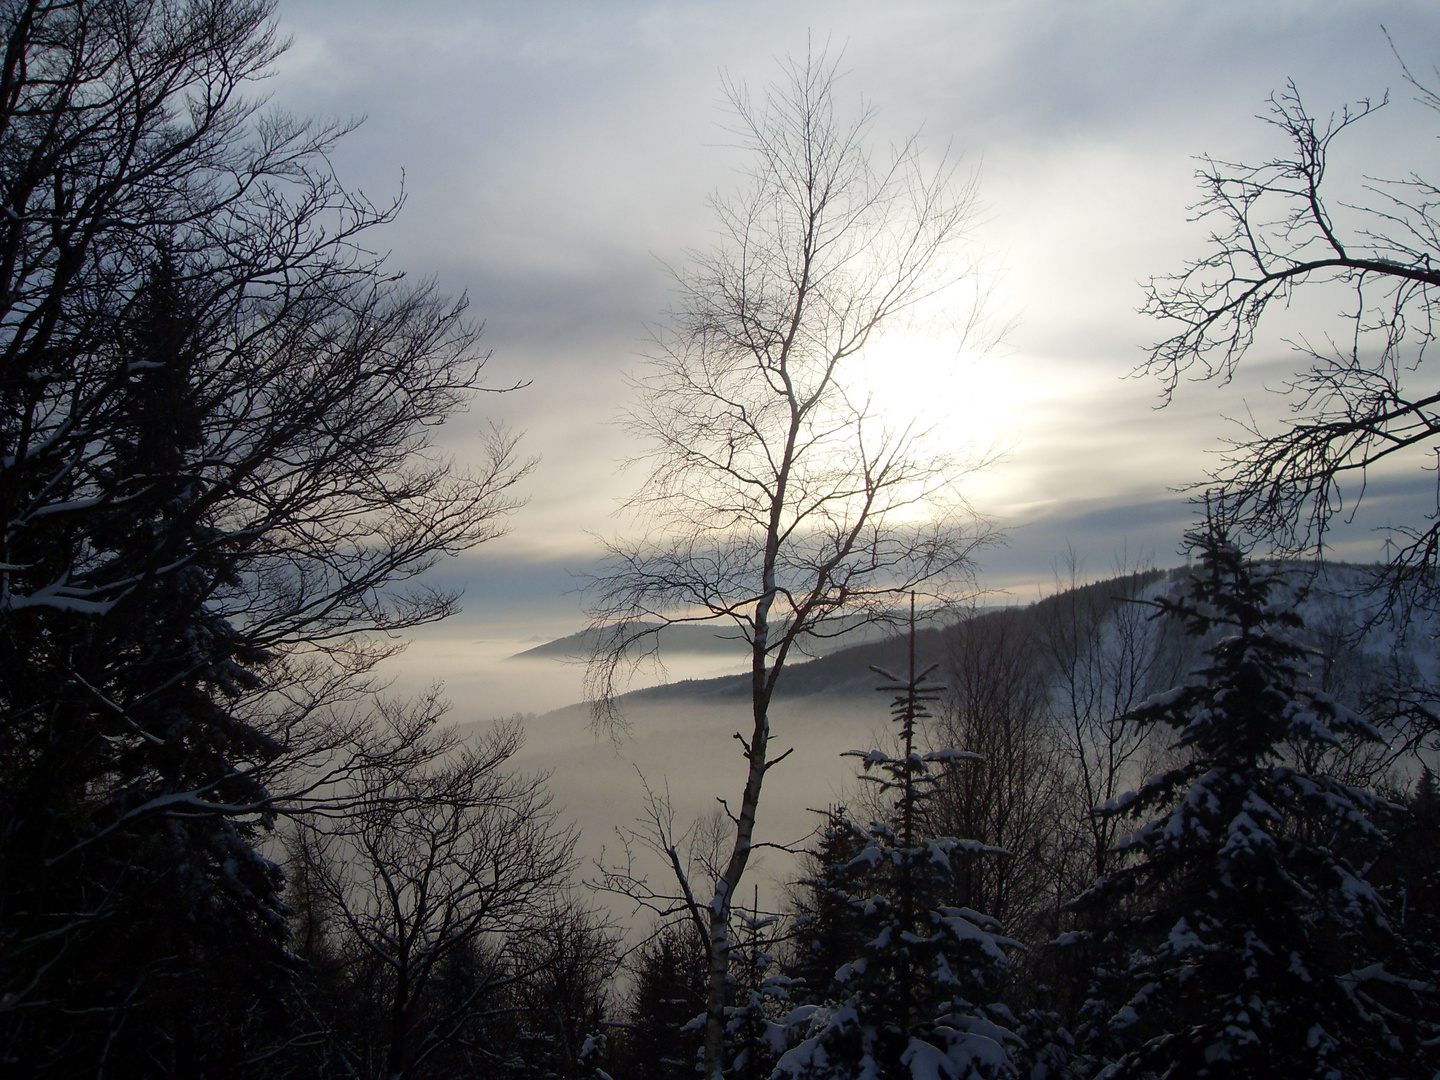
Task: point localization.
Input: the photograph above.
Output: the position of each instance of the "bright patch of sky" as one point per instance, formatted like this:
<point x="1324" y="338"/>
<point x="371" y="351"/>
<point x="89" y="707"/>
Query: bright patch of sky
<point x="556" y="156"/>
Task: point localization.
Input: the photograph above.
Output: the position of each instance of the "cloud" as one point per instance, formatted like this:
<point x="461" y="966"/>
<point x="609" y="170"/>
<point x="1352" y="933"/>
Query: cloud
<point x="557" y="155"/>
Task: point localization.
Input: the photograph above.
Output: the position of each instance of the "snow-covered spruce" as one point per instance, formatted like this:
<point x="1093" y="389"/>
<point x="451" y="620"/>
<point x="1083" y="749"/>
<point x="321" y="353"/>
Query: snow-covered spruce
<point x="918" y="998"/>
<point x="755" y="1031"/>
<point x="1239" y="937"/>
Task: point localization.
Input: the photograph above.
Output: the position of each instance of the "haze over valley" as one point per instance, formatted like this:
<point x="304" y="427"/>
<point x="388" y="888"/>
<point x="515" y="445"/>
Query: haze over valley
<point x="670" y="539"/>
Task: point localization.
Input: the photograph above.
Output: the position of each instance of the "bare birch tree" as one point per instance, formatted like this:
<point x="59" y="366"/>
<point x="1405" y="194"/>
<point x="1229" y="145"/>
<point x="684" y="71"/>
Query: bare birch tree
<point x="778" y="502"/>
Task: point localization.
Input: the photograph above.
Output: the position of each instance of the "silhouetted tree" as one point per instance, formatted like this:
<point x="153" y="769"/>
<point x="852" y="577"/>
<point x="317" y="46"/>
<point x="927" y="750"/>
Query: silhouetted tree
<point x="215" y="411"/>
<point x="1102" y="656"/>
<point x="565" y="963"/>
<point x="919" y="996"/>
<point x="1408" y="873"/>
<point x="826" y="929"/>
<point x="1365" y="395"/>
<point x="776" y="502"/>
<point x="444" y="869"/>
<point x="660" y="1041"/>
<point x="997" y="708"/>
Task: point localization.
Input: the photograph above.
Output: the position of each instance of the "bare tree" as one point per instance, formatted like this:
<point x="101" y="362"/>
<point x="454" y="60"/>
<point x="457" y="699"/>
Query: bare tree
<point x="996" y="707"/>
<point x="216" y="481"/>
<point x="1365" y="397"/>
<point x="777" y="502"/>
<point x="437" y="864"/>
<point x="566" y="965"/>
<point x="1103" y="655"/>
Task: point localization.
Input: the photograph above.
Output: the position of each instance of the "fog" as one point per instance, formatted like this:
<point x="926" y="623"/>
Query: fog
<point x="688" y="753"/>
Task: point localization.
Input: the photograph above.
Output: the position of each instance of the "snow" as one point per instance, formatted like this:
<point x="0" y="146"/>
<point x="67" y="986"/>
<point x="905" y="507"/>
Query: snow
<point x="1245" y="837"/>
<point x="1118" y="803"/>
<point x="59" y="597"/>
<point x="1183" y="939"/>
<point x="961" y="923"/>
<point x="951" y="755"/>
<point x="870" y="757"/>
<point x="1164" y="700"/>
<point x="958" y="1062"/>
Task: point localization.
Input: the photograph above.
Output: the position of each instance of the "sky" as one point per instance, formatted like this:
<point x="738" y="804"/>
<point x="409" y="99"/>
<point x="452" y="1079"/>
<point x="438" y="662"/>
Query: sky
<point x="557" y="157"/>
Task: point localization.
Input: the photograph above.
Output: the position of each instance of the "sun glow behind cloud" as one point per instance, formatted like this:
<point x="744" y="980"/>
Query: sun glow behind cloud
<point x="955" y="399"/>
<point x="557" y="155"/>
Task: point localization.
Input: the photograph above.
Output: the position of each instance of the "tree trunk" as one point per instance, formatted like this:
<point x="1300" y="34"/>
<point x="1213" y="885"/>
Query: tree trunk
<point x="717" y="982"/>
<point x="398" y="1051"/>
<point x="725" y="889"/>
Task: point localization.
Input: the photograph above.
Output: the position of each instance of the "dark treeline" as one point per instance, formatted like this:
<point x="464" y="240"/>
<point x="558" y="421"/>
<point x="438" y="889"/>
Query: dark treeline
<point x="984" y="897"/>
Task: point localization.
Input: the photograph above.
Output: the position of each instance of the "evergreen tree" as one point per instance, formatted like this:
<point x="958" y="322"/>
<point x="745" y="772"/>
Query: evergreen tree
<point x="660" y="1040"/>
<point x="760" y="998"/>
<point x="131" y="710"/>
<point x="1239" y="936"/>
<point x="919" y="997"/>
<point x="1408" y="873"/>
<point x="826" y="928"/>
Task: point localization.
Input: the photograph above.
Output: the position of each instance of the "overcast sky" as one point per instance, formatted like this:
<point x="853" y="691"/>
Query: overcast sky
<point x="557" y="155"/>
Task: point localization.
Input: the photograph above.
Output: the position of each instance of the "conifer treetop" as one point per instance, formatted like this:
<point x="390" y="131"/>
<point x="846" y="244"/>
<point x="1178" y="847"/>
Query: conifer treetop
<point x="1240" y="932"/>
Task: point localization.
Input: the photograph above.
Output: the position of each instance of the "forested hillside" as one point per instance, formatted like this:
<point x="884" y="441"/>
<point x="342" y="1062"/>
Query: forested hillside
<point x="1035" y="745"/>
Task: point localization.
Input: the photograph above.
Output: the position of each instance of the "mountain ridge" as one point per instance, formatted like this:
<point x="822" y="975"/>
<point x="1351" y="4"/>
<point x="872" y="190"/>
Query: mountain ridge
<point x="1323" y="591"/>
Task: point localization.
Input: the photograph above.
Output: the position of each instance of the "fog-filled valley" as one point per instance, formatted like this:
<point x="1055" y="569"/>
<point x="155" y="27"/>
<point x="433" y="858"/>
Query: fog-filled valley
<point x="678" y="735"/>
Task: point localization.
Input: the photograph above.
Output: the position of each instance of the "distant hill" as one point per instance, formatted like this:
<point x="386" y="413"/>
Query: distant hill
<point x="843" y="670"/>
<point x="681" y="639"/>
<point x="1333" y="600"/>
<point x="704" y="639"/>
<point x="846" y="672"/>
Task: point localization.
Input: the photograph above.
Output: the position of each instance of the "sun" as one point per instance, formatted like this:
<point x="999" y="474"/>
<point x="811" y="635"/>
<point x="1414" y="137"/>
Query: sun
<point x="958" y="398"/>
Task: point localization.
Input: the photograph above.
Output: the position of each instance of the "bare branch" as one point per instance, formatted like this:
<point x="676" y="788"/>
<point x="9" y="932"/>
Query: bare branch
<point x="1363" y="399"/>
<point x="775" y="503"/>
